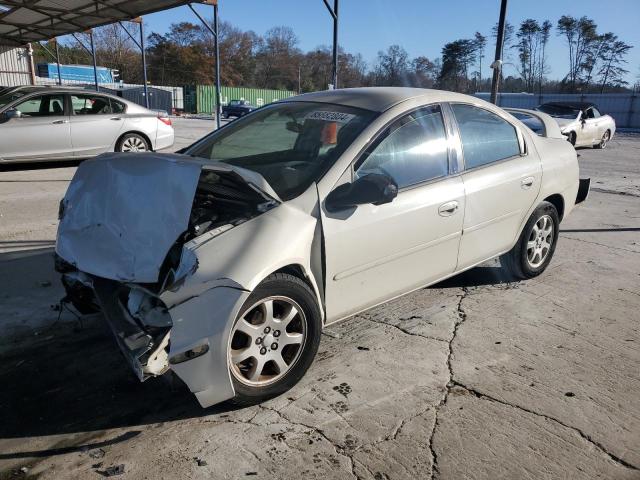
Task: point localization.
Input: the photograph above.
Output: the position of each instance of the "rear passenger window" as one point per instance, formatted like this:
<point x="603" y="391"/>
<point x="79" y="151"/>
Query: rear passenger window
<point x="90" y="105"/>
<point x="117" y="107"/>
<point x="414" y="150"/>
<point x="486" y="138"/>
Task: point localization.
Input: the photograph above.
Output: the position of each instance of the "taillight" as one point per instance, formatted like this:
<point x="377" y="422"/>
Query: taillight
<point x="165" y="120"/>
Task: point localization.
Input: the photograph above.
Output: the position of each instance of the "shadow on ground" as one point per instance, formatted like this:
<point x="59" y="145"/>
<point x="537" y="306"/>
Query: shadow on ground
<point x="75" y="380"/>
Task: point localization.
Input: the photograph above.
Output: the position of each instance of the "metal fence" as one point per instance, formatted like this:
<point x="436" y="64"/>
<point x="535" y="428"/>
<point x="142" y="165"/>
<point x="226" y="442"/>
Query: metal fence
<point x="176" y="102"/>
<point x="623" y="107"/>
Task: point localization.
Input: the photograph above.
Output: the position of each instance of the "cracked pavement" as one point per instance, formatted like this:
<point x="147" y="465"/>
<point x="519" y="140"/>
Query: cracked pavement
<point x="474" y="378"/>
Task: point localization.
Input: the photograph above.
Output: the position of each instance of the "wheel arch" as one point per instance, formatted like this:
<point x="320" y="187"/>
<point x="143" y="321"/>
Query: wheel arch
<point x="137" y="132"/>
<point x="300" y="271"/>
<point x="557" y="201"/>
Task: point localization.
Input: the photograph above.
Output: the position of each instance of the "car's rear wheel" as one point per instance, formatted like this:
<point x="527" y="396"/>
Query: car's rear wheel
<point x="533" y="252"/>
<point x="572" y="138"/>
<point x="274" y="339"/>
<point x="606" y="136"/>
<point x="132" y="142"/>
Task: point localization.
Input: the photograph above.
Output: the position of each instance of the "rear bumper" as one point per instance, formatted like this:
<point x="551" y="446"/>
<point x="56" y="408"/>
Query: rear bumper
<point x="583" y="190"/>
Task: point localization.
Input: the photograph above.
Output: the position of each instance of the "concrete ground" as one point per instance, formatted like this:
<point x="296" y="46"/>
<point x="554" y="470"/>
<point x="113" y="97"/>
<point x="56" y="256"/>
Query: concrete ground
<point x="475" y="378"/>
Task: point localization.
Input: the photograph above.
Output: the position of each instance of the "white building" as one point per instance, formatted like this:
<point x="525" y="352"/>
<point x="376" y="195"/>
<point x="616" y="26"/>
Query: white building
<point x="16" y="67"/>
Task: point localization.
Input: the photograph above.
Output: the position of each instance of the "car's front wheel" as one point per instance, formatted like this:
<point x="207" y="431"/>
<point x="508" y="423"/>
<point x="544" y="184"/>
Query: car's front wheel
<point x="533" y="252"/>
<point x="606" y="136"/>
<point x="274" y="339"/>
<point x="132" y="142"/>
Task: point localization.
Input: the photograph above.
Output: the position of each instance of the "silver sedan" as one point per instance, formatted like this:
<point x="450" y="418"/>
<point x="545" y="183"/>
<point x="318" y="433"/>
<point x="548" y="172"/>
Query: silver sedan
<point x="44" y="123"/>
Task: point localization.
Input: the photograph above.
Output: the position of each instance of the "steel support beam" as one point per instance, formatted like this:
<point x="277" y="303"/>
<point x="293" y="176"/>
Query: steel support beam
<point x="91" y="51"/>
<point x="140" y="45"/>
<point x="95" y="64"/>
<point x="497" y="63"/>
<point x="214" y="32"/>
<point x="58" y="61"/>
<point x="334" y="14"/>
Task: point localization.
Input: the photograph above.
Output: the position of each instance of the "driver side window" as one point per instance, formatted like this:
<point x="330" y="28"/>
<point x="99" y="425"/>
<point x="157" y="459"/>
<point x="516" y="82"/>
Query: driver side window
<point x="412" y="150"/>
<point x="42" y="106"/>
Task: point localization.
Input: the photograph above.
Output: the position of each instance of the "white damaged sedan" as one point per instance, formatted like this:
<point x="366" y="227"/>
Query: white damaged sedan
<point x="225" y="262"/>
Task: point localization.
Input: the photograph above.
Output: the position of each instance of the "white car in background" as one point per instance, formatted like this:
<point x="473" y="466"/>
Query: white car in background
<point x="581" y="122"/>
<point x="48" y="123"/>
<point x="225" y="263"/>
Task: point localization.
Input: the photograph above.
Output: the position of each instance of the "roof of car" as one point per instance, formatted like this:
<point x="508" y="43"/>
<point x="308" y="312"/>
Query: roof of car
<point x="57" y="88"/>
<point x="378" y="99"/>
<point x="575" y="105"/>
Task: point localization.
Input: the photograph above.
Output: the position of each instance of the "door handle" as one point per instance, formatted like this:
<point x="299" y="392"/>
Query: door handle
<point x="527" y="182"/>
<point x="448" y="209"/>
<point x="60" y="122"/>
<point x="115" y="118"/>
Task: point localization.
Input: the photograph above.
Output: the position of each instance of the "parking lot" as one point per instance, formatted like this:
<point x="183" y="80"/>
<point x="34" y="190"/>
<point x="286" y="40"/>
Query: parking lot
<point x="476" y="377"/>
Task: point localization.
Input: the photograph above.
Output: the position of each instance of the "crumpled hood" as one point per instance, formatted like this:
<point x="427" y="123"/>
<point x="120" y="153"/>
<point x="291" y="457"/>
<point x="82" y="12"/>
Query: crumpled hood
<point x="123" y="212"/>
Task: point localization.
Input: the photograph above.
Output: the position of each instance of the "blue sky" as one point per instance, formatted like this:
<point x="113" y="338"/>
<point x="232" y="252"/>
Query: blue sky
<point x="422" y="27"/>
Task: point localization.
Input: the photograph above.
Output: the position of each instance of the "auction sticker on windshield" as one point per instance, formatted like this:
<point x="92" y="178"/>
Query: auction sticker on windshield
<point x="330" y="116"/>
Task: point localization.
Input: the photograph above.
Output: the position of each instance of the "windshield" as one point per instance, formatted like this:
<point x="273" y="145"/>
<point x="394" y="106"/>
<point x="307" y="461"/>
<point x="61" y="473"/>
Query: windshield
<point x="291" y="144"/>
<point x="9" y="97"/>
<point x="559" y="111"/>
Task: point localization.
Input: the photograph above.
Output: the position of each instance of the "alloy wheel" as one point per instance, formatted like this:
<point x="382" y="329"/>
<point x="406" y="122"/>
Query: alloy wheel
<point x="267" y="341"/>
<point x="604" y="140"/>
<point x="540" y="241"/>
<point x="134" y="144"/>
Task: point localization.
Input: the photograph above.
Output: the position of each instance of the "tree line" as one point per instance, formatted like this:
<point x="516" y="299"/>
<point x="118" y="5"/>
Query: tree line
<point x="185" y="55"/>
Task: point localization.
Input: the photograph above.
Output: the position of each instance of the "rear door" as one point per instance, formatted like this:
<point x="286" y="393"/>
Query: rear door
<point x="94" y="125"/>
<point x="501" y="181"/>
<point x="41" y="131"/>
<point x="377" y="252"/>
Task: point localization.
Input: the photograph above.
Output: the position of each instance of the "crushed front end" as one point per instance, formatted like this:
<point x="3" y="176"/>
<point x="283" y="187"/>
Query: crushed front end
<point x="127" y="246"/>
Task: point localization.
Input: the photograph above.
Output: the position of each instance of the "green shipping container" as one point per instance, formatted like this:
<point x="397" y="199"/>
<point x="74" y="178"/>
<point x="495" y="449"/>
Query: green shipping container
<point x="206" y="96"/>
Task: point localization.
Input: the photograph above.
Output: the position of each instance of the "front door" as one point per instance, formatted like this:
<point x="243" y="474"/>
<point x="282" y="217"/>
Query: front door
<point x="41" y="130"/>
<point x="501" y="181"/>
<point x="375" y="253"/>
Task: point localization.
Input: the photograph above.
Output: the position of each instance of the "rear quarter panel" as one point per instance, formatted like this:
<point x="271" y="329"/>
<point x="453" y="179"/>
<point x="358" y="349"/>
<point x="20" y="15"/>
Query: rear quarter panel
<point x="560" y="171"/>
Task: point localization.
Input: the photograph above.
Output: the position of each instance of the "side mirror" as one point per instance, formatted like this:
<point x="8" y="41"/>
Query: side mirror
<point x="373" y="188"/>
<point x="12" y="113"/>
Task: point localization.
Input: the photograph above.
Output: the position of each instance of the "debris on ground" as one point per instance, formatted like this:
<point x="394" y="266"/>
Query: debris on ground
<point x="113" y="471"/>
<point x="200" y="462"/>
<point x="97" y="453"/>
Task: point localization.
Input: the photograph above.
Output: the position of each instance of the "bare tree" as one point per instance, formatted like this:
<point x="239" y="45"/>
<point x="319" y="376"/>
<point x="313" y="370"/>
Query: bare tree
<point x="612" y="72"/>
<point x="480" y="44"/>
<point x="579" y="35"/>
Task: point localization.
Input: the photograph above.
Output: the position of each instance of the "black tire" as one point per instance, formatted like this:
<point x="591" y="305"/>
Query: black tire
<point x="225" y="115"/>
<point x="133" y="138"/>
<point x="516" y="261"/>
<point x="606" y="136"/>
<point x="283" y="285"/>
<point x="572" y="138"/>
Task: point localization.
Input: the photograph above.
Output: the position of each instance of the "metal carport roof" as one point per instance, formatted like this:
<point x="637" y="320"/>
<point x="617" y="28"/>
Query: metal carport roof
<point x="24" y="21"/>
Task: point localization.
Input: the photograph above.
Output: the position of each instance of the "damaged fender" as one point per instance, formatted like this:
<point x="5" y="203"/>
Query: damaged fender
<point x="205" y="321"/>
